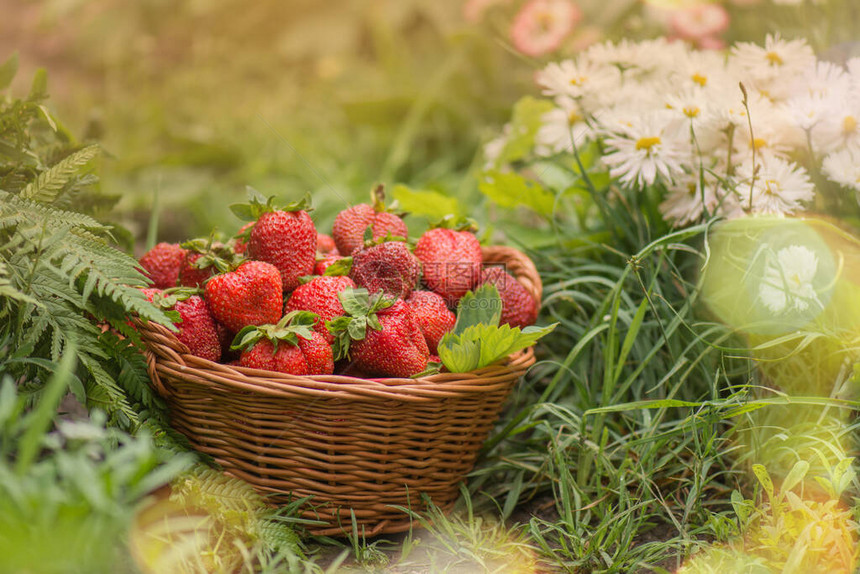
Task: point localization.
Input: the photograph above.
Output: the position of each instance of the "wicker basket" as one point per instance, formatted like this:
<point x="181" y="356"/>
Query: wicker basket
<point x="353" y="445"/>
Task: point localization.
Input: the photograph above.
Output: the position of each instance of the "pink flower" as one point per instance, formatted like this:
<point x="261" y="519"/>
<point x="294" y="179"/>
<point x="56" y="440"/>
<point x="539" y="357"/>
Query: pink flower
<point x="699" y="22"/>
<point x="541" y="25"/>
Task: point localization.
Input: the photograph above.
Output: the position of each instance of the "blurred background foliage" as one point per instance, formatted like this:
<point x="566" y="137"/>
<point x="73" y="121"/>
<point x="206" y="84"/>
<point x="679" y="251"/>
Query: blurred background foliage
<point x="193" y="100"/>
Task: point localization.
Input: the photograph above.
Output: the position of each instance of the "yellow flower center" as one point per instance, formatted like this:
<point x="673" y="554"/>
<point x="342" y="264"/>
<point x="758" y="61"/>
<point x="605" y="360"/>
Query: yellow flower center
<point x="578" y="81"/>
<point x="700" y="79"/>
<point x="759" y="143"/>
<point x="545" y="21"/>
<point x="771" y="187"/>
<point x="573" y="117"/>
<point x="849" y="125"/>
<point x="647" y="143"/>
<point x="774" y="59"/>
<point x="691" y="111"/>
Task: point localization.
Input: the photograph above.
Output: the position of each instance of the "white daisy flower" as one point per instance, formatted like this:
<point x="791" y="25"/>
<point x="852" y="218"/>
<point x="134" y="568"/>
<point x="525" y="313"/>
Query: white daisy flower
<point x="840" y="125"/>
<point x="787" y="283"/>
<point x="843" y="167"/>
<point x="577" y="79"/>
<point x="637" y="59"/>
<point x="772" y="69"/>
<point x="778" y="187"/>
<point x="561" y="127"/>
<point x="646" y="147"/>
<point x="687" y="200"/>
<point x="703" y="69"/>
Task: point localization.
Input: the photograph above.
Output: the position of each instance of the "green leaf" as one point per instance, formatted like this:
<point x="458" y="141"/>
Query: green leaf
<point x="39" y="90"/>
<point x="795" y="475"/>
<point x="431" y="204"/>
<point x="243" y="211"/>
<point x="764" y="478"/>
<point x="8" y="69"/>
<point x="480" y="307"/>
<point x="355" y="302"/>
<point x="341" y="267"/>
<point x="357" y="328"/>
<point x="47" y="186"/>
<point x="459" y="356"/>
<point x="512" y="190"/>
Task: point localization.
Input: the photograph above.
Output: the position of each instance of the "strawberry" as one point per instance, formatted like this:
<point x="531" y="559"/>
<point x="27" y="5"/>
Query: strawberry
<point x="519" y="308"/>
<point x="250" y="295"/>
<point x="325" y="245"/>
<point x="240" y="240"/>
<point x="452" y="261"/>
<point x="196" y="326"/>
<point x="320" y="296"/>
<point x="162" y="263"/>
<point x="432" y="315"/>
<point x="350" y="224"/>
<point x="283" y="358"/>
<point x="389" y="266"/>
<point x="328" y="260"/>
<point x="290" y="346"/>
<point x="286" y="238"/>
<point x="204" y="258"/>
<point x="379" y="335"/>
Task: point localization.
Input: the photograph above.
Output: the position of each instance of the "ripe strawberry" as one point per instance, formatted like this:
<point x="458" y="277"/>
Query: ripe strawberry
<point x="350" y="224"/>
<point x="326" y="262"/>
<point x="379" y="335"/>
<point x="240" y="240"/>
<point x="162" y="263"/>
<point x="519" y="308"/>
<point x="320" y="296"/>
<point x="452" y="261"/>
<point x="203" y="259"/>
<point x="432" y="315"/>
<point x="286" y="238"/>
<point x="196" y="326"/>
<point x="283" y="358"/>
<point x="325" y="245"/>
<point x="290" y="346"/>
<point x="250" y="295"/>
<point x="389" y="266"/>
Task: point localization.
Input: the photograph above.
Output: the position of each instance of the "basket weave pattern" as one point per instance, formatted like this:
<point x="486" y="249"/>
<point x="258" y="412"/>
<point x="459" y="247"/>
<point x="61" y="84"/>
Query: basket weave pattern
<point x="359" y="445"/>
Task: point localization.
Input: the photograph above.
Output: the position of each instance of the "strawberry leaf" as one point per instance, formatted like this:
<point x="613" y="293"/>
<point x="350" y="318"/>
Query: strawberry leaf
<point x="357" y="328"/>
<point x="483" y="306"/>
<point x="339" y="267"/>
<point x="355" y="301"/>
<point x="480" y="345"/>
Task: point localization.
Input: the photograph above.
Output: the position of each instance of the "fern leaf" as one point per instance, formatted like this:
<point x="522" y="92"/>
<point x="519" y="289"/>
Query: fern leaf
<point x="47" y="186"/>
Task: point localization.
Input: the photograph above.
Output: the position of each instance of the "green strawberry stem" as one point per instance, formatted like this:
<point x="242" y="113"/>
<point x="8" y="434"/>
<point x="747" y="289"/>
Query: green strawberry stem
<point x="256" y="207"/>
<point x="360" y="308"/>
<point x="456" y="223"/>
<point x="291" y="326"/>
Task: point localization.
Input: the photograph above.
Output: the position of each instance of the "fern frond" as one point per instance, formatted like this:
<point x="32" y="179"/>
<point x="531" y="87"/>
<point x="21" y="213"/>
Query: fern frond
<point x="47" y="186"/>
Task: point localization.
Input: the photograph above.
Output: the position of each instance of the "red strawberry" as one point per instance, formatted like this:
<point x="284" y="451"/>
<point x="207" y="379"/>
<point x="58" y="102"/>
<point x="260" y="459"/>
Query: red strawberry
<point x="284" y="358"/>
<point x="162" y="263"/>
<point x="432" y="315"/>
<point x="389" y="266"/>
<point x="290" y="346"/>
<point x="350" y="224"/>
<point x="320" y="296"/>
<point x="452" y="261"/>
<point x="325" y="245"/>
<point x="240" y="240"/>
<point x="318" y="354"/>
<point x="197" y="327"/>
<point x="379" y="335"/>
<point x="326" y="262"/>
<point x="285" y="238"/>
<point x="519" y="308"/>
<point x="203" y="259"/>
<point x="250" y="295"/>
